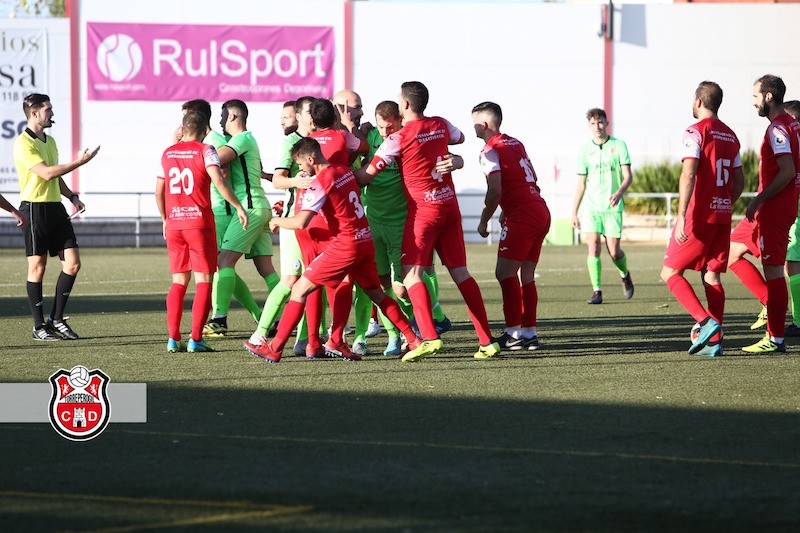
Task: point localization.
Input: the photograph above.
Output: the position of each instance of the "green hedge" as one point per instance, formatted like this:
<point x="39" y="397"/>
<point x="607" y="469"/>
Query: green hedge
<point x="663" y="177"/>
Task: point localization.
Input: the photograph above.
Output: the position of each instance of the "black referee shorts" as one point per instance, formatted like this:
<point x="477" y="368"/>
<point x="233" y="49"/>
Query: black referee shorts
<point x="48" y="228"/>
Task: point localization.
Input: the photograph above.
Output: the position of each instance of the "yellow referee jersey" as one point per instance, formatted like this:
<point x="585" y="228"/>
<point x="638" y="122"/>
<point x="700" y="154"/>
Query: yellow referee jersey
<point x="29" y="151"/>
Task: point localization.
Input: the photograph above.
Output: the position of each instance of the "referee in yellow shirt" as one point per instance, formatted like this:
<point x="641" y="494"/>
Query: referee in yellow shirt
<point x="47" y="227"/>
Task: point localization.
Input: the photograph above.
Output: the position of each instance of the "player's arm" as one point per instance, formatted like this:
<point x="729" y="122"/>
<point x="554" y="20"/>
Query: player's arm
<point x="226" y="155"/>
<point x="581" y="188"/>
<point x="737" y="183"/>
<point x="685" y="188"/>
<point x="226" y="191"/>
<point x="627" y="179"/>
<point x="71" y="196"/>
<point x="299" y="221"/>
<point x="494" y="188"/>
<point x="365" y="175"/>
<point x="454" y="135"/>
<point x="49" y="172"/>
<point x="281" y="180"/>
<point x="161" y="203"/>
<point x="6" y="205"/>
<point x="786" y="174"/>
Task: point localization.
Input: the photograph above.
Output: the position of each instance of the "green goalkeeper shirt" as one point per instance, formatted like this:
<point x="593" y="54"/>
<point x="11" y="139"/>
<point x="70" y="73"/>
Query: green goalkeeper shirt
<point x="384" y="198"/>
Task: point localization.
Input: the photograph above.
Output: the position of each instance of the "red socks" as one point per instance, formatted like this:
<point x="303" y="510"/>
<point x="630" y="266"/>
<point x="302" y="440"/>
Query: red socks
<point x="477" y="311"/>
<point x="751" y="278"/>
<point x="175" y="310"/>
<point x="421" y="300"/>
<point x="530" y="300"/>
<point x="289" y="320"/>
<point x="683" y="292"/>
<point x="512" y="301"/>
<point x="777" y="301"/>
<point x="200" y="308"/>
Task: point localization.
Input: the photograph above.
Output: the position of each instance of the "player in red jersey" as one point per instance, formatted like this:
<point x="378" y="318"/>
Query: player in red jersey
<point x="765" y="230"/>
<point x="185" y="205"/>
<point x="339" y="148"/>
<point x="350" y="252"/>
<point x="711" y="181"/>
<point x="434" y="218"/>
<point x="511" y="184"/>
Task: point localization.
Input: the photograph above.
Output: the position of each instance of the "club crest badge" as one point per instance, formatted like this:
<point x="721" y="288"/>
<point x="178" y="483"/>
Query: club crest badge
<point x="79" y="407"/>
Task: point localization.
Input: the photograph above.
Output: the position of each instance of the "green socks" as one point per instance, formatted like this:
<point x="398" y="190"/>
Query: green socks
<point x="595" y="268"/>
<point x="794" y="291"/>
<point x="226" y="282"/>
<point x="622" y="265"/>
<point x="432" y="282"/>
<point x="272" y="307"/>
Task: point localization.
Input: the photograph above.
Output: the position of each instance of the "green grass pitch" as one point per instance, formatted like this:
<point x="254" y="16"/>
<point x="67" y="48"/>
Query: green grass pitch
<point x="610" y="426"/>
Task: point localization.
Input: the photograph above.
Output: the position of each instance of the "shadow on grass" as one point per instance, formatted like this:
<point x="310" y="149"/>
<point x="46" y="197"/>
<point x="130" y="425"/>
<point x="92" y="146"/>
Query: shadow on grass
<point x="401" y="462"/>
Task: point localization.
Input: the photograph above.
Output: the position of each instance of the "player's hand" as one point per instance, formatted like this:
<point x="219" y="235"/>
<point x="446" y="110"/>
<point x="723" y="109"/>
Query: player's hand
<point x="87" y="155"/>
<point x="449" y="163"/>
<point x="365" y="128"/>
<point x="164" y="229"/>
<point x="754" y="206"/>
<point x="277" y="208"/>
<point x="177" y="135"/>
<point x="273" y="225"/>
<point x="502" y="218"/>
<point x="78" y="204"/>
<point x="614" y="199"/>
<point x="19" y="216"/>
<point x="303" y="180"/>
<point x="575" y="222"/>
<point x="482" y="231"/>
<point x="243" y="218"/>
<point x="680" y="233"/>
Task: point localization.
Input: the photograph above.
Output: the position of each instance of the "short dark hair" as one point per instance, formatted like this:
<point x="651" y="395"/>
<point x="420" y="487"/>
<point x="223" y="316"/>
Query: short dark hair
<point x="32" y="102"/>
<point x="710" y="93"/>
<point x="416" y="94"/>
<point x="300" y="102"/>
<point x="322" y="113"/>
<point x="596" y="113"/>
<point x="491" y="108"/>
<point x="772" y="84"/>
<point x="237" y="104"/>
<point x="199" y="105"/>
<point x="305" y="147"/>
<point x="290" y="103"/>
<point x="387" y="109"/>
<point x="195" y="123"/>
<point x="792" y="107"/>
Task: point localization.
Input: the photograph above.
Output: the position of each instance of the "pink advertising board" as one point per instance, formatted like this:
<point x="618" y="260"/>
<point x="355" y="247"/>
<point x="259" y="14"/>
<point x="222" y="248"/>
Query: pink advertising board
<point x="170" y="62"/>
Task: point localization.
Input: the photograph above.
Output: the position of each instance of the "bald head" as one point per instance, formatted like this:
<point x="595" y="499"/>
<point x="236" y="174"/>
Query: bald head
<point x="353" y="102"/>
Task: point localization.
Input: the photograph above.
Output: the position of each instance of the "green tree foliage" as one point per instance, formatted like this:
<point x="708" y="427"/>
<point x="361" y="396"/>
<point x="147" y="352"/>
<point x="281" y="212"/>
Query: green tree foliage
<point x="663" y="177"/>
<point x="40" y="8"/>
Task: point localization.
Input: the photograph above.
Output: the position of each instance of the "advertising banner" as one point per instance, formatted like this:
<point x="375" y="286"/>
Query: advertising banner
<point x="23" y="70"/>
<point x="171" y="62"/>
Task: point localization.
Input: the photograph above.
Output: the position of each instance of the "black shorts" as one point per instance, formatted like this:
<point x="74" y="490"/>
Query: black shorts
<point x="48" y="228"/>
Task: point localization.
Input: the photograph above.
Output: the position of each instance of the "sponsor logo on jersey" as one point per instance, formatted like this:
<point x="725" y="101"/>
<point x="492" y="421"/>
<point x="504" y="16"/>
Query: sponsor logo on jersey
<point x="79" y="406"/>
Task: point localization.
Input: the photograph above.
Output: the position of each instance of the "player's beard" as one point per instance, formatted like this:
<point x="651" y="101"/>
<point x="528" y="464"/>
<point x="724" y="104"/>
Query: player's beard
<point x="763" y="110"/>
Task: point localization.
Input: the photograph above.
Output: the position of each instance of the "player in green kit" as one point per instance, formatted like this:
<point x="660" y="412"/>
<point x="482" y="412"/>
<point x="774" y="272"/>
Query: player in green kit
<point x="604" y="174"/>
<point x="286" y="178"/>
<point x="243" y="158"/>
<point x="221" y="209"/>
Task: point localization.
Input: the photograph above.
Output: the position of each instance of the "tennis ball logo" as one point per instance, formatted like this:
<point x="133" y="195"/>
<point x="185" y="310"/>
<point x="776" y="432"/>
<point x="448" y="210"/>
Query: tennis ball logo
<point x="119" y="57"/>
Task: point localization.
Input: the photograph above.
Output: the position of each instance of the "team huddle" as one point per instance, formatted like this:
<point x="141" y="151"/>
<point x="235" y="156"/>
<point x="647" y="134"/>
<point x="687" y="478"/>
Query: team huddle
<point x="366" y="209"/>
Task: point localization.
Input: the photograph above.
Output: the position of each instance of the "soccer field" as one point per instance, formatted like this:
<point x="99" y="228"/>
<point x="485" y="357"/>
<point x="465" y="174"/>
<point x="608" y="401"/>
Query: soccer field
<point x="610" y="426"/>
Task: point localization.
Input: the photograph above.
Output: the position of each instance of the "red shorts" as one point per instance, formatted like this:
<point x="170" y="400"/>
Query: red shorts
<point x="192" y="249"/>
<point x="429" y="229"/>
<point x="523" y="233"/>
<point x="312" y="244"/>
<point x="340" y="259"/>
<point x="706" y="247"/>
<point x="766" y="237"/>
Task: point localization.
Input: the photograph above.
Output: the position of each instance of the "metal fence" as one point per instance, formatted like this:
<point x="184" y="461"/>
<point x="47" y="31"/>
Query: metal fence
<point x="141" y="228"/>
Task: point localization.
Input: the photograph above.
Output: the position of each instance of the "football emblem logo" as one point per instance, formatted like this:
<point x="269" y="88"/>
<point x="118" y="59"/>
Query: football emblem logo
<point x="79" y="407"/>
